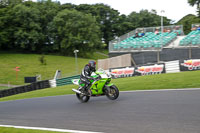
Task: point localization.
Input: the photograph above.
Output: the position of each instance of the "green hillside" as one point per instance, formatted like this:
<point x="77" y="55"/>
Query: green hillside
<point x="31" y="66"/>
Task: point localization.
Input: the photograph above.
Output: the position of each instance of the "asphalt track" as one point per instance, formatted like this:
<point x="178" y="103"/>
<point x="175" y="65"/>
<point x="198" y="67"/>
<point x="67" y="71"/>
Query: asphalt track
<point x="133" y="112"/>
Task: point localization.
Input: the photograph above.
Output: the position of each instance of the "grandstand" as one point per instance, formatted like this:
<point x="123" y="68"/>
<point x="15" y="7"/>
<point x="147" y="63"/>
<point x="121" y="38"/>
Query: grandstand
<point x="193" y="38"/>
<point x="152" y="44"/>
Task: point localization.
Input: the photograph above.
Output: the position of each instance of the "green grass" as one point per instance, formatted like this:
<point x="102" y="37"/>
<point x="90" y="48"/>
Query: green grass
<point x="30" y="66"/>
<point x="3" y="87"/>
<point x="161" y="81"/>
<point x="16" y="130"/>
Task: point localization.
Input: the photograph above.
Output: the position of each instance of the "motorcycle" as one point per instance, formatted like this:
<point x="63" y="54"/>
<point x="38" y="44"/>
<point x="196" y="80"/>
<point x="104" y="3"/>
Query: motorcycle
<point x="99" y="87"/>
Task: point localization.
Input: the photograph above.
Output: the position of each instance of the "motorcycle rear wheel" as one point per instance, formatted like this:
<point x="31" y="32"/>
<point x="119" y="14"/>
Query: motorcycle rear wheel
<point x="82" y="98"/>
<point x="112" y="93"/>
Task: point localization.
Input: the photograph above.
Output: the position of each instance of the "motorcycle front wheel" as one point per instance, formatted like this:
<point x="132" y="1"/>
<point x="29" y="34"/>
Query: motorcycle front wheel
<point x="112" y="93"/>
<point x="82" y="98"/>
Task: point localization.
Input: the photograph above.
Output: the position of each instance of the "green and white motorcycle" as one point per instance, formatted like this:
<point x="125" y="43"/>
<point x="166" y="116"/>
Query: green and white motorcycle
<point x="99" y="87"/>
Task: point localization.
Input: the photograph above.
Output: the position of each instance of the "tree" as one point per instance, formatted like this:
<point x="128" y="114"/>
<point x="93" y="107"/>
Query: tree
<point x="146" y="19"/>
<point x="187" y="21"/>
<point x="27" y="30"/>
<point x="122" y="25"/>
<point x="68" y="6"/>
<point x="48" y="10"/>
<point x="197" y="3"/>
<point x="4" y="3"/>
<point x="4" y="26"/>
<point x="75" y="30"/>
<point x="106" y="18"/>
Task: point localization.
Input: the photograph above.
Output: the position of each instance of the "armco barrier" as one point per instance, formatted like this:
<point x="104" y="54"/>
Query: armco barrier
<point x="26" y="88"/>
<point x="66" y="81"/>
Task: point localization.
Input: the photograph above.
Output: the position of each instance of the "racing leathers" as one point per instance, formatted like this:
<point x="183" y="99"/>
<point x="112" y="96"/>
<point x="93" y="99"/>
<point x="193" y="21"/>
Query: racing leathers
<point x="85" y="75"/>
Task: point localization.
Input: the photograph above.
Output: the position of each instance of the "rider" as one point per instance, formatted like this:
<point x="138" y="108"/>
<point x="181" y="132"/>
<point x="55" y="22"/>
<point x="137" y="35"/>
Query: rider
<point x="86" y="74"/>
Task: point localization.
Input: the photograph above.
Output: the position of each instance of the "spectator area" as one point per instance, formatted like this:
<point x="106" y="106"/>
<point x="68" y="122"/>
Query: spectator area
<point x="146" y="39"/>
<point x="149" y="40"/>
<point x="192" y="39"/>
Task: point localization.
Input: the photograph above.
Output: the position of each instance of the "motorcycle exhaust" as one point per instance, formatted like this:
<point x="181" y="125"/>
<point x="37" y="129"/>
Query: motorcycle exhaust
<point x="77" y="91"/>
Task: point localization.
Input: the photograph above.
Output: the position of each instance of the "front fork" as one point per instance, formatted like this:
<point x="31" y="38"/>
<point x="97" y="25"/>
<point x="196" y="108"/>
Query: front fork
<point x="107" y="87"/>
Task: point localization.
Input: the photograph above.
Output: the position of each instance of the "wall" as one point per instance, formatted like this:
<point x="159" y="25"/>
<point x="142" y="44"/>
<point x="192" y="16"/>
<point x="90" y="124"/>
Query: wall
<point x="167" y="54"/>
<point x="113" y="62"/>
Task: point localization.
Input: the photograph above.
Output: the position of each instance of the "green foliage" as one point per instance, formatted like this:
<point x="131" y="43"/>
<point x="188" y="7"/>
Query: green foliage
<point x="48" y="10"/>
<point x="5" y="30"/>
<point x="75" y="30"/>
<point x="146" y="19"/>
<point x="27" y="27"/>
<point x="105" y="16"/>
<point x="197" y="3"/>
<point x="42" y="60"/>
<point x="187" y="21"/>
<point x="4" y="3"/>
<point x="48" y="27"/>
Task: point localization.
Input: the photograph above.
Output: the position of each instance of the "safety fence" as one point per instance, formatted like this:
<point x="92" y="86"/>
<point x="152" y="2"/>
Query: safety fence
<point x="26" y="88"/>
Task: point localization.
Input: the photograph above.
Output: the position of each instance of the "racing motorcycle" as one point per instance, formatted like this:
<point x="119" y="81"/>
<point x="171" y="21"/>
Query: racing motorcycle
<point x="99" y="86"/>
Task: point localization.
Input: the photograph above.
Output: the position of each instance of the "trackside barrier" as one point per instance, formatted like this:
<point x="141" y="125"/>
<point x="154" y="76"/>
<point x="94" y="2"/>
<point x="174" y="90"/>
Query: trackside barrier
<point x="66" y="81"/>
<point x="166" y="67"/>
<point x="26" y="88"/>
<point x="172" y="66"/>
<point x="138" y="71"/>
<point x="52" y="83"/>
<point x="190" y="65"/>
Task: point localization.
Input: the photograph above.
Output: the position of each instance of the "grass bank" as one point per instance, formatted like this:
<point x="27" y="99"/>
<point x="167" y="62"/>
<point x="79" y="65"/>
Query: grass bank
<point x="161" y="81"/>
<point x="16" y="130"/>
<point x="31" y="66"/>
<point x="3" y="87"/>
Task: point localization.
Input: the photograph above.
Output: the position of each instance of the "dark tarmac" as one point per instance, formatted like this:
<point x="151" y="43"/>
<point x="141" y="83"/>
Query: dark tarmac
<point x="133" y="112"/>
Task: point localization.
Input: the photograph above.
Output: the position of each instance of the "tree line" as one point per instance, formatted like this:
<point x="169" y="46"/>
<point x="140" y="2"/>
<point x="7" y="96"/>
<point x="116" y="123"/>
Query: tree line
<point x="46" y="26"/>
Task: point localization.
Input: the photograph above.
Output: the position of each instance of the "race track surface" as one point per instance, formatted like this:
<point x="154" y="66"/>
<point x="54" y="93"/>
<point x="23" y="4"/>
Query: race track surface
<point x="132" y="112"/>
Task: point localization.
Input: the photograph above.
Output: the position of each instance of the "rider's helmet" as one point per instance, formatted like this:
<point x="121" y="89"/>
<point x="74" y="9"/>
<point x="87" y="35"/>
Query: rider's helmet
<point x="92" y="65"/>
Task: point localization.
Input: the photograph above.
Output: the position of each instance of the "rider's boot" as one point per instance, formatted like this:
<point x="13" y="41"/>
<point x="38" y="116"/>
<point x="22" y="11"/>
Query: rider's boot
<point x="87" y="90"/>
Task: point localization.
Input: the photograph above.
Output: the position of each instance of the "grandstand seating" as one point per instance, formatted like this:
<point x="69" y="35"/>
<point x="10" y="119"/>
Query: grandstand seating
<point x="193" y="38"/>
<point x="149" y="40"/>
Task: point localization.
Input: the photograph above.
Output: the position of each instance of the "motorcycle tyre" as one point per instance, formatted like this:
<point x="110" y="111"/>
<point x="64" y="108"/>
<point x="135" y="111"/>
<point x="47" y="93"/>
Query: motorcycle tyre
<point x="113" y="87"/>
<point x="82" y="98"/>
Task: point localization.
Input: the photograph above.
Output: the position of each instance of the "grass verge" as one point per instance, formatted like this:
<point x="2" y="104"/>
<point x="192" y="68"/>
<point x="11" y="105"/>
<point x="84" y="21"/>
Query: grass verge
<point x="16" y="130"/>
<point x="3" y="87"/>
<point x="161" y="81"/>
<point x="30" y="66"/>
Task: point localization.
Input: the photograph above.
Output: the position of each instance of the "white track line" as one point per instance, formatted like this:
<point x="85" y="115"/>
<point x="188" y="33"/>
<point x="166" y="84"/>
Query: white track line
<point x="157" y="90"/>
<point x="48" y="129"/>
